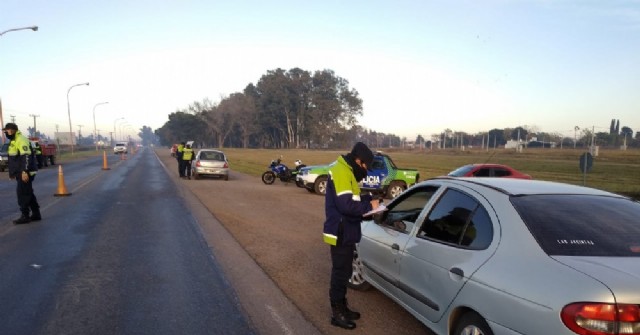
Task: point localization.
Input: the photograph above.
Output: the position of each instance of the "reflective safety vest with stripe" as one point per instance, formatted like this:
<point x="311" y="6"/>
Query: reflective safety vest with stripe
<point x="187" y="154"/>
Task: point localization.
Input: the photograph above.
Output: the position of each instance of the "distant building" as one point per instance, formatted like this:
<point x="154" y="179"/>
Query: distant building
<point x="534" y="143"/>
<point x="513" y="144"/>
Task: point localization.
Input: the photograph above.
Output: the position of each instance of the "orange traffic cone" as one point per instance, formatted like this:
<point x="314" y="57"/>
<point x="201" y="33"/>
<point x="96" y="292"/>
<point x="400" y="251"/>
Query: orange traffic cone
<point x="104" y="161"/>
<point x="62" y="189"/>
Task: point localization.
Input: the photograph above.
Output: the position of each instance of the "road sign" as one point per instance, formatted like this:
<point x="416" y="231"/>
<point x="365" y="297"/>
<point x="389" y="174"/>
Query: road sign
<point x="586" y="162"/>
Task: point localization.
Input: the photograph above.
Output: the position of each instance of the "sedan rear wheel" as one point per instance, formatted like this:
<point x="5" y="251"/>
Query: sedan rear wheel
<point x="357" y="281"/>
<point x="472" y="324"/>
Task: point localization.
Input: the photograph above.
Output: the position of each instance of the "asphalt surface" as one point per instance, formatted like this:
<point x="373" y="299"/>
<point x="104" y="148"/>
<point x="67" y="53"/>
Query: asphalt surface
<point x="136" y="250"/>
<point x="279" y="227"/>
<point x="122" y="255"/>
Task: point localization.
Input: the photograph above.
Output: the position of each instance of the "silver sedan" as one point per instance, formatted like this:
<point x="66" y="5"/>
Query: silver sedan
<point x="507" y="256"/>
<point x="209" y="162"/>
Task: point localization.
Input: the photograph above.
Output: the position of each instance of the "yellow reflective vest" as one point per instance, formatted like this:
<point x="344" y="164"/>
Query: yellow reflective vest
<point x="19" y="153"/>
<point x="187" y="154"/>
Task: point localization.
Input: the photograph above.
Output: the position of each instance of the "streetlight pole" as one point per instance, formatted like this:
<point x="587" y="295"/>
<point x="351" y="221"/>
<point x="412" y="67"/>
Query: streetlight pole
<point x="69" y="113"/>
<point x="114" y="130"/>
<point x="575" y="135"/>
<point x="94" y="122"/>
<point x="122" y="126"/>
<point x="34" y="28"/>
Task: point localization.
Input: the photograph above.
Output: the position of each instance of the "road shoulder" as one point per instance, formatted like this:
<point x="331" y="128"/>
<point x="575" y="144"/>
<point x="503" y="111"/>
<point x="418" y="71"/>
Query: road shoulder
<point x="269" y="310"/>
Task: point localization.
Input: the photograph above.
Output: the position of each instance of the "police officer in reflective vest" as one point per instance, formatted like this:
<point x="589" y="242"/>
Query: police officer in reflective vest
<point x="179" y="152"/>
<point x="344" y="207"/>
<point x="39" y="155"/>
<point x="187" y="157"/>
<point x="22" y="167"/>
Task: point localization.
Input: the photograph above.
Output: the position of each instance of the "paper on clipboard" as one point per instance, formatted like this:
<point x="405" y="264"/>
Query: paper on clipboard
<point x="381" y="208"/>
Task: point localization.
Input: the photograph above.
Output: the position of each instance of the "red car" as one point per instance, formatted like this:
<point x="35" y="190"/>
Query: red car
<point x="488" y="170"/>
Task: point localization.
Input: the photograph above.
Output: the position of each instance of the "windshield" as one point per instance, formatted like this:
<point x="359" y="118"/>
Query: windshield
<point x="582" y="225"/>
<point x="461" y="171"/>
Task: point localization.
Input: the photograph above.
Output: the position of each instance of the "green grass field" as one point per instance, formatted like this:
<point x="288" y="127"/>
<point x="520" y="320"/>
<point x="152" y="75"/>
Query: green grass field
<point x="613" y="170"/>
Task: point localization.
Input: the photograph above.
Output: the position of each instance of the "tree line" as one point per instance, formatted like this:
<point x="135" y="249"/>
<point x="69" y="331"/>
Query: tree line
<point x="285" y="109"/>
<point x="301" y="109"/>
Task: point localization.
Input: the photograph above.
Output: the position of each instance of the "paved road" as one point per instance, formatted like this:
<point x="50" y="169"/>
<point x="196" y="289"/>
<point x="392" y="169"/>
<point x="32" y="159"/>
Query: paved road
<point x="122" y="255"/>
<point x="266" y="239"/>
<point x="280" y="227"/>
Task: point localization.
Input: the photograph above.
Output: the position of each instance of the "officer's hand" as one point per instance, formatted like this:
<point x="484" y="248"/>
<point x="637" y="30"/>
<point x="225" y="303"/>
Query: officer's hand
<point x="375" y="203"/>
<point x="25" y="177"/>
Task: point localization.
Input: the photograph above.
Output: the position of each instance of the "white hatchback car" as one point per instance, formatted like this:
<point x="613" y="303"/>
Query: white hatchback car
<point x="507" y="256"/>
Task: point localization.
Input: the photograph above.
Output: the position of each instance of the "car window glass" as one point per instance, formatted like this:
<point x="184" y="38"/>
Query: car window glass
<point x="479" y="231"/>
<point x="377" y="164"/>
<point x="458" y="219"/>
<point x="483" y="172"/>
<point x="499" y="172"/>
<point x="582" y="225"/>
<point x="461" y="171"/>
<point x="203" y="156"/>
<point x="404" y="213"/>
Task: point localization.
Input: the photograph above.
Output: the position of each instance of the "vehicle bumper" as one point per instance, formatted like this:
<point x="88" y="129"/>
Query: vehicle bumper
<point x="308" y="180"/>
<point x="211" y="171"/>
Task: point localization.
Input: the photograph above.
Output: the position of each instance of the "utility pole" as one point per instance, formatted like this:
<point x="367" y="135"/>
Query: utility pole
<point x="80" y="133"/>
<point x="34" y="124"/>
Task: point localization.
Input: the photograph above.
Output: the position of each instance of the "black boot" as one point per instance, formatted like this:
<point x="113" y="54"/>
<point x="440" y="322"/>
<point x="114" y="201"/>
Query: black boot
<point x="351" y="315"/>
<point x="35" y="215"/>
<point x="339" y="318"/>
<point x="23" y="219"/>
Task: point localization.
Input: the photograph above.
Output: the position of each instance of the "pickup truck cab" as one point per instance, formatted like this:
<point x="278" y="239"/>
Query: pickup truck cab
<point x="384" y="178"/>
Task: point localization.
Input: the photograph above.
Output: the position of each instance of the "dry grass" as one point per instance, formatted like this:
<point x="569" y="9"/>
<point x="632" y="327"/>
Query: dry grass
<point x="613" y="170"/>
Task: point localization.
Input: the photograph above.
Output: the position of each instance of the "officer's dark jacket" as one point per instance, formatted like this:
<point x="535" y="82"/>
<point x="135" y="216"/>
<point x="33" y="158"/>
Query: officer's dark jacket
<point x="344" y="205"/>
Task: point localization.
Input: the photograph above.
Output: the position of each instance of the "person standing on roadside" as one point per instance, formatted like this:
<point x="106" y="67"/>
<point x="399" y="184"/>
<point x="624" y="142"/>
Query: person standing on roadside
<point x="22" y="166"/>
<point x="39" y="157"/>
<point x="179" y="152"/>
<point x="187" y="157"/>
<point x="344" y="207"/>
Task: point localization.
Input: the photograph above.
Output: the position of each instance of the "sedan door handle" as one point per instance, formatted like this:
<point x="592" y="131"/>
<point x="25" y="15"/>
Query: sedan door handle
<point x="457" y="271"/>
<point x="395" y="246"/>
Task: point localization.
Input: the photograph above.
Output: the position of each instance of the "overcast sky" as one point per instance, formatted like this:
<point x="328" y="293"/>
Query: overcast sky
<point x="420" y="66"/>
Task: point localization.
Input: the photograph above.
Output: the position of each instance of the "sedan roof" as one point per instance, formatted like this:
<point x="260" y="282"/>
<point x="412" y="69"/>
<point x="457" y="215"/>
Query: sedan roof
<point x="527" y="187"/>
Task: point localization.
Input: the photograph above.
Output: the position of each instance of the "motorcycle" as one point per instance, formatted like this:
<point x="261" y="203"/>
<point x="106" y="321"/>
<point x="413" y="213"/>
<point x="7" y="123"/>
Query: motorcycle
<point x="280" y="171"/>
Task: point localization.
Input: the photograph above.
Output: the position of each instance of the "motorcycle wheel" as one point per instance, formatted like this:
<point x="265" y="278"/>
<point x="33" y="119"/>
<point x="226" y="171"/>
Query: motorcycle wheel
<point x="268" y="177"/>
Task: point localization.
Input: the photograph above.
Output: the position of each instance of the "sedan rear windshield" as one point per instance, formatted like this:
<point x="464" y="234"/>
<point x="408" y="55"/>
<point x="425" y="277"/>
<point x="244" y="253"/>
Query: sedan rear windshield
<point x="582" y="225"/>
<point x="211" y="156"/>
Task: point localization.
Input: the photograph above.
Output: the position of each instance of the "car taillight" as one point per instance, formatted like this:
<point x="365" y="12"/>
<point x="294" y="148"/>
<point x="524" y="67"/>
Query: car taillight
<point x="591" y="318"/>
<point x="226" y="166"/>
<point x="198" y="163"/>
